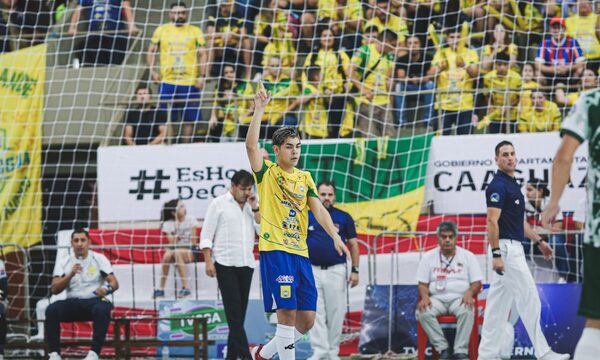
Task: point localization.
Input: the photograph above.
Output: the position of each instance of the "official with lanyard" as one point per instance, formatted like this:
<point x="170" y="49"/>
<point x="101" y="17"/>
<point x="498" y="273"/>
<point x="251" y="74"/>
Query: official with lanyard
<point x="449" y="278"/>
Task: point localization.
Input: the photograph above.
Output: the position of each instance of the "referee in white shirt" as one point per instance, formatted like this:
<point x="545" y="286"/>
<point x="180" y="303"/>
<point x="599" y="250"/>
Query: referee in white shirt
<point x="227" y="241"/>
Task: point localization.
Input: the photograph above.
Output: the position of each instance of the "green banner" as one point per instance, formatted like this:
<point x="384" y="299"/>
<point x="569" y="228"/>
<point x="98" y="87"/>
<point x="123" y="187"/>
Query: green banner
<point x="214" y="316"/>
<point x="380" y="181"/>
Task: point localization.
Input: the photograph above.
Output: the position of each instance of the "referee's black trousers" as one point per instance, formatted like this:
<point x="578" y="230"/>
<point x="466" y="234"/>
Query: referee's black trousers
<point x="234" y="284"/>
<point x="70" y="310"/>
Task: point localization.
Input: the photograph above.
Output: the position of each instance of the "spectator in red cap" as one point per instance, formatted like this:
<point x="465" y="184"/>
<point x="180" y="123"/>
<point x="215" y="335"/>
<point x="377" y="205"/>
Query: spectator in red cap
<point x="560" y="57"/>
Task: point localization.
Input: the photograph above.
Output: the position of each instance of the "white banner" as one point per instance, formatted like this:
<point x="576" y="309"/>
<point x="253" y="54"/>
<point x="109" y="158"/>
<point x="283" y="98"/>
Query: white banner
<point x="135" y="181"/>
<point x="461" y="167"/>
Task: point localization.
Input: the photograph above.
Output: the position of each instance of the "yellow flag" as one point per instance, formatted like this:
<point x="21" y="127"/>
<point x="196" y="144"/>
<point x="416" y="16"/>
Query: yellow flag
<point x="22" y="75"/>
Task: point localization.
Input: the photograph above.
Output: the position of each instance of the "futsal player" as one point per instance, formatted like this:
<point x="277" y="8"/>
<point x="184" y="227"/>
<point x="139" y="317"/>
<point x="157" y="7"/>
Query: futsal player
<point x="286" y="194"/>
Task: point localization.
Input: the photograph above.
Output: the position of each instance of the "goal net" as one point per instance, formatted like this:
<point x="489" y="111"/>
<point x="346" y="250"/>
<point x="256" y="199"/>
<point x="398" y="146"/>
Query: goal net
<point x="110" y="109"/>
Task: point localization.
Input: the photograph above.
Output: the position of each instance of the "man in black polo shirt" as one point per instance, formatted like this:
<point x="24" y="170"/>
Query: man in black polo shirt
<point x="413" y="72"/>
<point x="145" y="125"/>
<point x="512" y="279"/>
<point x="331" y="275"/>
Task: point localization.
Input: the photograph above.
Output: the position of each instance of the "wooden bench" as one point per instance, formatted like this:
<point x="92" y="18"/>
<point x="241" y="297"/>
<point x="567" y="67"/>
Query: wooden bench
<point x="122" y="340"/>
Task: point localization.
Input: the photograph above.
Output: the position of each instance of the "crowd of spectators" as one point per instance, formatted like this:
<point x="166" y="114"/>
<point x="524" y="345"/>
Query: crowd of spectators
<point x="342" y="68"/>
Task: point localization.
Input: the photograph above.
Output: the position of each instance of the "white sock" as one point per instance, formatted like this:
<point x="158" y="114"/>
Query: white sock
<point x="270" y="348"/>
<point x="284" y="338"/>
<point x="588" y="346"/>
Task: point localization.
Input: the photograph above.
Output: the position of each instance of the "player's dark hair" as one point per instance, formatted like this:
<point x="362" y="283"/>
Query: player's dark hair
<point x="388" y="35"/>
<point x="143" y="86"/>
<point x="447" y="226"/>
<point x="284" y="133"/>
<point x="243" y="178"/>
<point x="168" y="210"/>
<point x="540" y="184"/>
<point x="501" y="144"/>
<point x="80" y="230"/>
<point x="178" y="3"/>
<point x="326" y="183"/>
<point x="312" y="73"/>
<point x="502" y="57"/>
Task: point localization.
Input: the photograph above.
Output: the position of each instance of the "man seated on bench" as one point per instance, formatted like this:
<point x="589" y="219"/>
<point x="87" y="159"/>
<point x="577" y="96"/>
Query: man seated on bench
<point x="88" y="279"/>
<point x="449" y="279"/>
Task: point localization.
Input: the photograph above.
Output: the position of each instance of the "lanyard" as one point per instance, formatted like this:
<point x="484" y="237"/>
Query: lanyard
<point x="442" y="262"/>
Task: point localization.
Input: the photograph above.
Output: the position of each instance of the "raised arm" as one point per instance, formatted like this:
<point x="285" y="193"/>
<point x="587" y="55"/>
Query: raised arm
<point x="252" y="149"/>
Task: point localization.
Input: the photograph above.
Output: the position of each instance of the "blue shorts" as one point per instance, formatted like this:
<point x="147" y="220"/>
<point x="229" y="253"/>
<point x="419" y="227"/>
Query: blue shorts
<point x="189" y="109"/>
<point x="287" y="282"/>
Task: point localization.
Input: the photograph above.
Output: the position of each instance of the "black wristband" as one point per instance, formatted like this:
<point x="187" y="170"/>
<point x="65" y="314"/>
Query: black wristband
<point x="355" y="269"/>
<point x="496" y="253"/>
<point x="256" y="210"/>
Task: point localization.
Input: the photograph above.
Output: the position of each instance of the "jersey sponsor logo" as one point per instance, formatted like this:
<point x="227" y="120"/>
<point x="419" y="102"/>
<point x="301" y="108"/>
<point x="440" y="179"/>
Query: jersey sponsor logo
<point x="311" y="228"/>
<point x="301" y="188"/>
<point x="290" y="347"/>
<point x="517" y="202"/>
<point x="285" y="291"/>
<point x="266" y="236"/>
<point x="285" y="279"/>
<point x="495" y="197"/>
<point x="292" y="213"/>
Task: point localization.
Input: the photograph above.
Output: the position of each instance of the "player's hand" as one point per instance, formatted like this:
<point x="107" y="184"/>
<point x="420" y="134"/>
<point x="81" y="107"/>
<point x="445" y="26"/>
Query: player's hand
<point x="423" y="304"/>
<point x="353" y="280"/>
<point x="468" y="299"/>
<point x="368" y="94"/>
<point x="262" y="98"/>
<point x="77" y="268"/>
<point x="546" y="250"/>
<point x="211" y="271"/>
<point x="549" y="214"/>
<point x="72" y="31"/>
<point x="155" y="76"/>
<point x="199" y="83"/>
<point x="101" y="292"/>
<point x="498" y="265"/>
<point x="340" y="247"/>
<point x="253" y="201"/>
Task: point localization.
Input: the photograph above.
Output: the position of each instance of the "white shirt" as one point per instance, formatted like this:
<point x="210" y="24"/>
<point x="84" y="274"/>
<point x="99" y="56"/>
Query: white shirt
<point x="229" y="231"/>
<point x="94" y="269"/>
<point x="181" y="229"/>
<point x="580" y="210"/>
<point x="458" y="273"/>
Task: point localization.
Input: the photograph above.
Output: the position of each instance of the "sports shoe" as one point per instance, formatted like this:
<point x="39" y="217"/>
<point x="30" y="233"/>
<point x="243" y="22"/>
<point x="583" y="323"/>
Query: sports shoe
<point x="54" y="356"/>
<point x="91" y="356"/>
<point x="159" y="293"/>
<point x="184" y="292"/>
<point x="255" y="352"/>
<point x="551" y="355"/>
